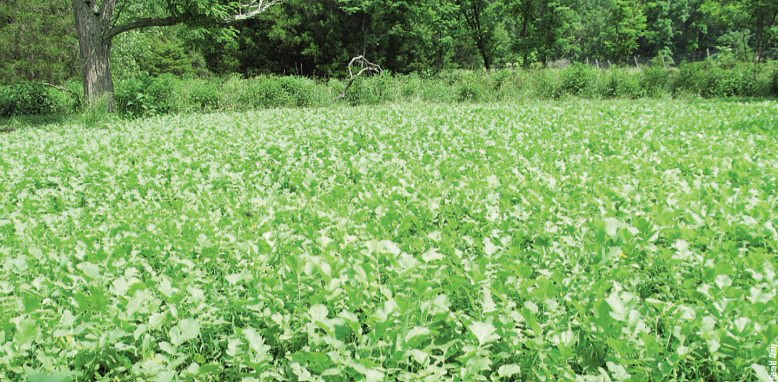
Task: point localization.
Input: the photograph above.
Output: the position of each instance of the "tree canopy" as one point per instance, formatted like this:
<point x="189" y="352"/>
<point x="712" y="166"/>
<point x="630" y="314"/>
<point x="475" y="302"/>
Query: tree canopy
<point x="317" y="38"/>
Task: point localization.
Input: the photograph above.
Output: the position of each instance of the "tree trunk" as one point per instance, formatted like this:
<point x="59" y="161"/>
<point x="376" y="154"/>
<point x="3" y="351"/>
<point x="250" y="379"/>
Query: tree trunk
<point x="95" y="49"/>
<point x="524" y="34"/>
<point x="485" y="55"/>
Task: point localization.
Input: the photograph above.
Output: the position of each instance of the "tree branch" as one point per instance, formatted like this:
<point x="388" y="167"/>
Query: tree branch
<point x="253" y="8"/>
<point x="62" y="89"/>
<point x="245" y="11"/>
<point x="365" y="65"/>
<point x="144" y="23"/>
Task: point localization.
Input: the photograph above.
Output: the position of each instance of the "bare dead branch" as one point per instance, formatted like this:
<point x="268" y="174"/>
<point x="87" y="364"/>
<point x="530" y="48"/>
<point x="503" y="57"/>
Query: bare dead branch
<point x="365" y="67"/>
<point x="253" y="8"/>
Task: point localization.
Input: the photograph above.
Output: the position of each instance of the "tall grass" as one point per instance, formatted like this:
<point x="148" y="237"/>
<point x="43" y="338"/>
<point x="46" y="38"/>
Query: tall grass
<point x="147" y="95"/>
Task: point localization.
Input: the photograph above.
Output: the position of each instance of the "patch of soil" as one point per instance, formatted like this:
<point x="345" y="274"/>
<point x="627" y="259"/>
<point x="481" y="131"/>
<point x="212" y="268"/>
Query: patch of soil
<point x="6" y="130"/>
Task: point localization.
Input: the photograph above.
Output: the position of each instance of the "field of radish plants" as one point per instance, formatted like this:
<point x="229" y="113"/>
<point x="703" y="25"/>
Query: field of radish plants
<point x="630" y="240"/>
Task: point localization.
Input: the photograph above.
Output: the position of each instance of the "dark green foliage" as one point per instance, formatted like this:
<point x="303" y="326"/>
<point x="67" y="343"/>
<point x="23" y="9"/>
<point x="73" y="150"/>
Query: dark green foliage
<point x="167" y="56"/>
<point x="300" y="91"/>
<point x="7" y="101"/>
<point x="710" y="80"/>
<point x="477" y="86"/>
<point x="690" y="79"/>
<point x="545" y="84"/>
<point x="371" y="90"/>
<point x="655" y="81"/>
<point x="204" y="96"/>
<point x="621" y="83"/>
<point x="145" y="95"/>
<point x="37" y="41"/>
<point x="578" y="80"/>
<point x="266" y="91"/>
<point x="469" y="92"/>
<point x="29" y="99"/>
<point x="774" y="82"/>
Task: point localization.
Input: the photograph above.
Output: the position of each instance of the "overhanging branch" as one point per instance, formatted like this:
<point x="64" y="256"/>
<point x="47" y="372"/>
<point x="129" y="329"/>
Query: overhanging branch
<point x="245" y="11"/>
<point x="144" y="23"/>
<point x="253" y="8"/>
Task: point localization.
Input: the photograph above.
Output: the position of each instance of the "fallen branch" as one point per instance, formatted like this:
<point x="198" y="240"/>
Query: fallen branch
<point x="365" y="67"/>
<point x="63" y="89"/>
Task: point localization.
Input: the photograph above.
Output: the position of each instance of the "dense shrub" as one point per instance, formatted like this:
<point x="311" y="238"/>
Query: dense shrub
<point x="477" y="86"/>
<point x="372" y="90"/>
<point x="690" y="79"/>
<point x="545" y="84"/>
<point x="145" y="95"/>
<point x="578" y="80"/>
<point x="774" y="82"/>
<point x="302" y="92"/>
<point x="655" y="81"/>
<point x="268" y="91"/>
<point x="711" y="79"/>
<point x="27" y="99"/>
<point x="620" y="83"/>
<point x="749" y="84"/>
<point x="204" y="95"/>
<point x="7" y="101"/>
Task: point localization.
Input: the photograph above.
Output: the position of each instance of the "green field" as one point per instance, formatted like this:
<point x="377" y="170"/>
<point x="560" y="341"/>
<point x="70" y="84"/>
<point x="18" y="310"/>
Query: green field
<point x="598" y="240"/>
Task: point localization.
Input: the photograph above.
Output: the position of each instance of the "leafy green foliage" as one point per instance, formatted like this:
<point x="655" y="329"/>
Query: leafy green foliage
<point x="578" y="79"/>
<point x="145" y="95"/>
<point x="31" y="99"/>
<point x="620" y="83"/>
<point x="37" y="41"/>
<point x="534" y="240"/>
<point x="166" y="56"/>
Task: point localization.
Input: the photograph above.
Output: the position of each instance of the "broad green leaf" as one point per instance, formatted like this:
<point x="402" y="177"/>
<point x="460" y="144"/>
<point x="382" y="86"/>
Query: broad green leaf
<point x="484" y="332"/>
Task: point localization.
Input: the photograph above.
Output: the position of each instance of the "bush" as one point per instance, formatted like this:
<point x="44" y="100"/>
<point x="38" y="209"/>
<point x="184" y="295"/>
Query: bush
<point x="774" y="82"/>
<point x="7" y="101"/>
<point x="690" y="79"/>
<point x="300" y="91"/>
<point x="748" y="84"/>
<point x="655" y="81"/>
<point x="578" y="80"/>
<point x="708" y="79"/>
<point x="267" y="92"/>
<point x="545" y="84"/>
<point x="371" y="90"/>
<point x="145" y="95"/>
<point x="27" y="99"/>
<point x="204" y="96"/>
<point x="620" y="83"/>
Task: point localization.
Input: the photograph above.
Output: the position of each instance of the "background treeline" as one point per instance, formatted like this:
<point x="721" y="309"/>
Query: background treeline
<point x="708" y="48"/>
<point x="317" y="38"/>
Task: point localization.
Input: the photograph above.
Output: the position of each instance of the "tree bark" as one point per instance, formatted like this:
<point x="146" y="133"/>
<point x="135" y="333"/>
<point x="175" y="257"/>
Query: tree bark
<point x="95" y="32"/>
<point x="485" y="55"/>
<point x="95" y="50"/>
